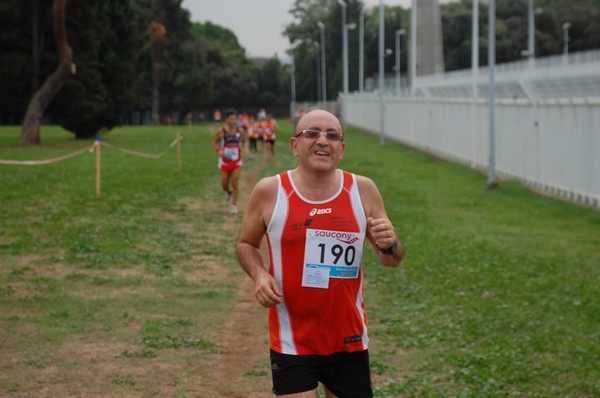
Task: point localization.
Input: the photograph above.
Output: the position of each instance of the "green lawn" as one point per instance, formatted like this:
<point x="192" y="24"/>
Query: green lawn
<point x="497" y="296"/>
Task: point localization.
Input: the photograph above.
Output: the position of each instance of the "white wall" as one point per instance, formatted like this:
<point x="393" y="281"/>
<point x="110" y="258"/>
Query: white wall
<point x="553" y="146"/>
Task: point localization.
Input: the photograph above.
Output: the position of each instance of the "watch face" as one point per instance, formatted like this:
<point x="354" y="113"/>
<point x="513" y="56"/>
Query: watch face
<point x="391" y="249"/>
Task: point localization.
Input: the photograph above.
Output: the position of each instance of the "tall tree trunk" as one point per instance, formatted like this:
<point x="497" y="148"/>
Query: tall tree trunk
<point x="157" y="33"/>
<point x="156" y="92"/>
<point x="35" y="47"/>
<point x="30" y="134"/>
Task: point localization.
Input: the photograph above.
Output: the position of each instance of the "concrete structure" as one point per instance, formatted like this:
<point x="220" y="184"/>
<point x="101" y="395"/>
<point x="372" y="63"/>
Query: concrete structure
<point x="430" y="45"/>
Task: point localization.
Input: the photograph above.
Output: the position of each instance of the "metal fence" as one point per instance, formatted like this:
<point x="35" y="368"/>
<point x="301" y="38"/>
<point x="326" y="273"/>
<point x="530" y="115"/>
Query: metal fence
<point x="576" y="75"/>
<point x="547" y="122"/>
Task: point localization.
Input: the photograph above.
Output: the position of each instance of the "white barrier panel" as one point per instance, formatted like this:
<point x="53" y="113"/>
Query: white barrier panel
<point x="553" y="146"/>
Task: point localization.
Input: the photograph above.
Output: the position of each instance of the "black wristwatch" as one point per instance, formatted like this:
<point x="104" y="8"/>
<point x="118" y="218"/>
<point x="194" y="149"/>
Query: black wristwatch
<point x="390" y="250"/>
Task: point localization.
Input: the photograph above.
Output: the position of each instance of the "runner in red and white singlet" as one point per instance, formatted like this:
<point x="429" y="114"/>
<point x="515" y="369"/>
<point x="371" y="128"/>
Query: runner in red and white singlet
<point x="230" y="150"/>
<point x="228" y="143"/>
<point x="316" y="218"/>
<point x="321" y="274"/>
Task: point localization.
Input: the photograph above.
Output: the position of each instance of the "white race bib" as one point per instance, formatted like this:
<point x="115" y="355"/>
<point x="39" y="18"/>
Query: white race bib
<point x="231" y="153"/>
<point x="331" y="254"/>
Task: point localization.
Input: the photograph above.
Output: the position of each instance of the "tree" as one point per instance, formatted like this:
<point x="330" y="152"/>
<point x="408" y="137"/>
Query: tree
<point x="304" y="34"/>
<point x="18" y="54"/>
<point x="30" y="134"/>
<point x="270" y="84"/>
<point x="105" y="48"/>
<point x="511" y="29"/>
<point x="235" y="79"/>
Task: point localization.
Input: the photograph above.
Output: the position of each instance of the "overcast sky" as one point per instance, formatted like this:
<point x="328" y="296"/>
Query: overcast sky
<point x="258" y="24"/>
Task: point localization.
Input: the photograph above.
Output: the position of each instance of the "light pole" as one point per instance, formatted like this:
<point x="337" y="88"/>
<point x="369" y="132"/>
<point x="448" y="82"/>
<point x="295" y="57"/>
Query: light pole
<point x="399" y="33"/>
<point x="531" y="13"/>
<point x="293" y="81"/>
<point x="345" y="60"/>
<point x="531" y="33"/>
<point x="317" y="74"/>
<point x="361" y="52"/>
<point x="323" y="75"/>
<point x="413" y="47"/>
<point x="381" y="70"/>
<point x="565" y="28"/>
<point x="295" y="44"/>
<point x="491" y="182"/>
<point x="475" y="48"/>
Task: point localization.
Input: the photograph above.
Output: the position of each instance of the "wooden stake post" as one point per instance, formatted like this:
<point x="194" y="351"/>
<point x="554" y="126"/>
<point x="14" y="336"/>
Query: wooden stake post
<point x="98" y="166"/>
<point x="179" y="151"/>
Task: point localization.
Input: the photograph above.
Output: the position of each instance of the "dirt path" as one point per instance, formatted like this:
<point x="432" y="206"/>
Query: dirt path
<point x="241" y="369"/>
<point x="92" y="363"/>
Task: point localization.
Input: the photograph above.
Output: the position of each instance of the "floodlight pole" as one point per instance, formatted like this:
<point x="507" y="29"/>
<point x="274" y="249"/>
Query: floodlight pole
<point x="323" y="76"/>
<point x="475" y="48"/>
<point x="381" y="69"/>
<point x="399" y="33"/>
<point x="531" y="33"/>
<point x="293" y="82"/>
<point x="361" y="52"/>
<point x="565" y="27"/>
<point x="413" y="47"/>
<point x="345" y="61"/>
<point x="317" y="74"/>
<point x="491" y="183"/>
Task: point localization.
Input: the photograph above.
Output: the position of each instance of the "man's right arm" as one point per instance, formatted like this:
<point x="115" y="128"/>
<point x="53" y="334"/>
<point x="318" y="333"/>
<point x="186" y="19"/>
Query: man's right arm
<point x="258" y="212"/>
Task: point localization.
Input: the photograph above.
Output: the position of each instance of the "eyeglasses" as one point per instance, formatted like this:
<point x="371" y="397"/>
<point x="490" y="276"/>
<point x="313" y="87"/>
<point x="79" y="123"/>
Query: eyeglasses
<point x="315" y="134"/>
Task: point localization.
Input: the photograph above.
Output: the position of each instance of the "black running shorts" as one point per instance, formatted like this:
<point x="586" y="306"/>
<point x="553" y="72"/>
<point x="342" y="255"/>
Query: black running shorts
<point x="345" y="374"/>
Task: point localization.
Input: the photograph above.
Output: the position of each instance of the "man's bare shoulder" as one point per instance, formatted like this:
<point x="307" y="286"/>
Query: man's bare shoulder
<point x="370" y="196"/>
<point x="266" y="186"/>
<point x="262" y="201"/>
<point x="365" y="184"/>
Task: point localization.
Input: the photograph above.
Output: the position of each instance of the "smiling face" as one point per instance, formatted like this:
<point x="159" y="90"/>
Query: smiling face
<point x="318" y="154"/>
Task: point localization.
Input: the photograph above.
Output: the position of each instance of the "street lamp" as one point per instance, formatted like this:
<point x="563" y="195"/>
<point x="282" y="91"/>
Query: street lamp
<point x="565" y="28"/>
<point x="381" y="71"/>
<point x="399" y="33"/>
<point x="491" y="182"/>
<point x="413" y="48"/>
<point x="295" y="44"/>
<point x="531" y="12"/>
<point x="315" y="45"/>
<point x="345" y="59"/>
<point x="474" y="47"/>
<point x="361" y="52"/>
<point x="293" y="82"/>
<point x="323" y="75"/>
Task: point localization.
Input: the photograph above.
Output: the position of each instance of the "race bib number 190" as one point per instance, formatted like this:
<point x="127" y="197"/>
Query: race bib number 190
<point x="331" y="254"/>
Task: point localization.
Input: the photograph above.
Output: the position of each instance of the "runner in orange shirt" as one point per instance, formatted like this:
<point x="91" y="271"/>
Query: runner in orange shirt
<point x="270" y="134"/>
<point x="253" y="134"/>
<point x="217" y="117"/>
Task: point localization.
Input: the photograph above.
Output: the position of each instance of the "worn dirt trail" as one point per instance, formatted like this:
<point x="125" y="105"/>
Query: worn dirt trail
<point x="241" y="368"/>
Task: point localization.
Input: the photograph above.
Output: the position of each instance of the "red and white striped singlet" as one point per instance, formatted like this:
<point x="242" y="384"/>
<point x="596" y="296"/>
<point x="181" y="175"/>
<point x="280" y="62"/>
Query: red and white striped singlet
<point x="315" y="253"/>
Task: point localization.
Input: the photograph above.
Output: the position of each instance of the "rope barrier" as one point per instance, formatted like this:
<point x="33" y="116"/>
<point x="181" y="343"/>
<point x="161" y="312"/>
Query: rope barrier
<point x="90" y="148"/>
<point x="96" y="147"/>
<point x="47" y="161"/>
<point x="141" y="154"/>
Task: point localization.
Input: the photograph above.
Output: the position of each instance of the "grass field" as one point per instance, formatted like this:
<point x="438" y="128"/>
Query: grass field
<point x="125" y="294"/>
